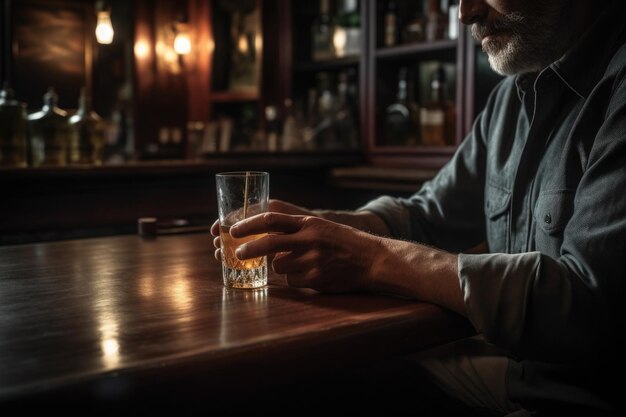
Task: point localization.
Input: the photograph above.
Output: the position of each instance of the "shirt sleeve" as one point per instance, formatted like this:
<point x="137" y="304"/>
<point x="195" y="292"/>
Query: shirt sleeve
<point x="447" y="212"/>
<point x="545" y="308"/>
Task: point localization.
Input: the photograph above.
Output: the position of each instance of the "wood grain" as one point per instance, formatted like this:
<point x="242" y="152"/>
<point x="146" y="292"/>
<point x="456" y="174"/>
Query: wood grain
<point x="78" y="315"/>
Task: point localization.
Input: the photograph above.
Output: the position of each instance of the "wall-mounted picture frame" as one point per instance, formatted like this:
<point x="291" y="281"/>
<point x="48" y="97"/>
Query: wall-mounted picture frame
<point x="51" y="46"/>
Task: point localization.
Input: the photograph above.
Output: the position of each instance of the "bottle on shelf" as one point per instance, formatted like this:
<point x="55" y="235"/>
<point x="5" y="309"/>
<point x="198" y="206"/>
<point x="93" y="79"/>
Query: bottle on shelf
<point x="453" y="20"/>
<point x="391" y="24"/>
<point x="292" y="139"/>
<point x="13" y="136"/>
<point x="345" y="120"/>
<point x="86" y="134"/>
<point x="402" y="118"/>
<point x="436" y="21"/>
<point x="272" y="131"/>
<point x="347" y="35"/>
<point x="415" y="29"/>
<point x="48" y="133"/>
<point x="438" y="117"/>
<point x="322" y="34"/>
<point x="324" y="128"/>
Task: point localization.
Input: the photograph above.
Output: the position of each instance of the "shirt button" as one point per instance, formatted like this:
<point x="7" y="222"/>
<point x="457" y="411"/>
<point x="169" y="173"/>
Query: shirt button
<point x="547" y="219"/>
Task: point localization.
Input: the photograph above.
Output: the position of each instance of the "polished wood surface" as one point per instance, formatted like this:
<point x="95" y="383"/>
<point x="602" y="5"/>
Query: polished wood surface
<point x="80" y="314"/>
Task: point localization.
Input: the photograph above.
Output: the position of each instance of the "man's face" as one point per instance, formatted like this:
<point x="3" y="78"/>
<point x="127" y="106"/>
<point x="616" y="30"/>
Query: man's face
<point x="518" y="35"/>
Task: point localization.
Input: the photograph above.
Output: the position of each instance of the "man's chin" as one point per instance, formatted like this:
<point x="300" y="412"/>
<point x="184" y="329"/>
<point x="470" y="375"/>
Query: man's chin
<point x="504" y="56"/>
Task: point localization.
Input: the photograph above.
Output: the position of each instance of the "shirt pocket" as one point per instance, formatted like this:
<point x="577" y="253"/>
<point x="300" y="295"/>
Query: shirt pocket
<point x="497" y="202"/>
<point x="553" y="211"/>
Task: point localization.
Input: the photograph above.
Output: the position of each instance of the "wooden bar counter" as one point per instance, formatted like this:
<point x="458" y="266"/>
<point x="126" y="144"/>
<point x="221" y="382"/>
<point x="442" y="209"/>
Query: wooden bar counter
<point x="108" y="318"/>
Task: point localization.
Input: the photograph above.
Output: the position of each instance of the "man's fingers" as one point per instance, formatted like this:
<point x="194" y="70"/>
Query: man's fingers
<point x="218" y="254"/>
<point x="217" y="242"/>
<point x="268" y="223"/>
<point x="215" y="229"/>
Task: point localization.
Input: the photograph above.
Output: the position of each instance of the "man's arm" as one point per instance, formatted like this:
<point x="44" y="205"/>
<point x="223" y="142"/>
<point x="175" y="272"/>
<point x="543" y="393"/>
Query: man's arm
<point x="328" y="256"/>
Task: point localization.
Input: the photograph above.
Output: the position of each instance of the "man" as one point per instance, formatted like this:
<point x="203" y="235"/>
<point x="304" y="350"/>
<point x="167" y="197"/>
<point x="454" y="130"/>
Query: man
<point x="540" y="180"/>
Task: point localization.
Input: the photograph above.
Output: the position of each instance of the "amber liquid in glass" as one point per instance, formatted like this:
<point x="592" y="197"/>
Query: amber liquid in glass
<point x="247" y="273"/>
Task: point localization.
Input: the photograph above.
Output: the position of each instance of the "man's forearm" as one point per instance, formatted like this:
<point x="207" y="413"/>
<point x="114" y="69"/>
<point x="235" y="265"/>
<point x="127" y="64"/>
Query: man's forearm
<point x="419" y="272"/>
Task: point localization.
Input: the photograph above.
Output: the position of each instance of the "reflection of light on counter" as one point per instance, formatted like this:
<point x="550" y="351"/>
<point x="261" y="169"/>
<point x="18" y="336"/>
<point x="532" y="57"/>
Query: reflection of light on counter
<point x="146" y="285"/>
<point x="111" y="348"/>
<point x="108" y="341"/>
<point x="178" y="289"/>
<point x="181" y="293"/>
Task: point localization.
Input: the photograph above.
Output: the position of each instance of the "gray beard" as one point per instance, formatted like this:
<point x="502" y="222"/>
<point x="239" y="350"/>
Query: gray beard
<point x="534" y="41"/>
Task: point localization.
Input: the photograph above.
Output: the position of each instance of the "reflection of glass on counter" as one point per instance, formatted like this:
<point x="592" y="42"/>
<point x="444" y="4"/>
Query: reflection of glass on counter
<point x="238" y="305"/>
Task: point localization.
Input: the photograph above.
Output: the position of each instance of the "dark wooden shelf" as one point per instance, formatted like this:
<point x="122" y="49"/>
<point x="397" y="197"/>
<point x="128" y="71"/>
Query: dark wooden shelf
<point x="234" y="96"/>
<point x="415" y="48"/>
<point x="326" y="65"/>
<point x="211" y="162"/>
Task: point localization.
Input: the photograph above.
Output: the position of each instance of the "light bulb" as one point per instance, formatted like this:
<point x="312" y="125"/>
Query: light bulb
<point x="104" y="29"/>
<point x="340" y="39"/>
<point x="182" y="43"/>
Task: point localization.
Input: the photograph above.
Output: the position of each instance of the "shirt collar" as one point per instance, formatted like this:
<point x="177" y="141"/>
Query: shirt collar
<point x="581" y="67"/>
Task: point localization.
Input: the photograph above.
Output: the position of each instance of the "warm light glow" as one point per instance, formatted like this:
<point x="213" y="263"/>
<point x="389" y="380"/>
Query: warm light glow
<point x="170" y="56"/>
<point x="180" y="294"/>
<point x="340" y="38"/>
<point x="142" y="49"/>
<point x="104" y="29"/>
<point x="182" y="43"/>
<point x="111" y="348"/>
<point x="243" y="44"/>
<point x="109" y="343"/>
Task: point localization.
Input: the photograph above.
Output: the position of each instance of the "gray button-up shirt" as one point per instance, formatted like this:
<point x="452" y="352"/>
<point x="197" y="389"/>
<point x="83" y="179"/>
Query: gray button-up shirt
<point x="542" y="179"/>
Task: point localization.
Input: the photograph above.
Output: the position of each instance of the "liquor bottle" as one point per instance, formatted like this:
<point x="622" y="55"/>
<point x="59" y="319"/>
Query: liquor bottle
<point x="415" y="29"/>
<point x="324" y="126"/>
<point x="86" y="134"/>
<point x="345" y="120"/>
<point x="322" y="34"/>
<point x="13" y="141"/>
<point x="272" y="133"/>
<point x="436" y="22"/>
<point x="49" y="132"/>
<point x="402" y="118"/>
<point x="438" y="118"/>
<point x="391" y="24"/>
<point x="292" y="135"/>
<point x="453" y="21"/>
<point x="347" y="36"/>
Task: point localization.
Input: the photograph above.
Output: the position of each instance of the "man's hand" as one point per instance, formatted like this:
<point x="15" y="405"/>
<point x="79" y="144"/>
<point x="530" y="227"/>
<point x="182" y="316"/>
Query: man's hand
<point x="274" y="206"/>
<point x="312" y="252"/>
